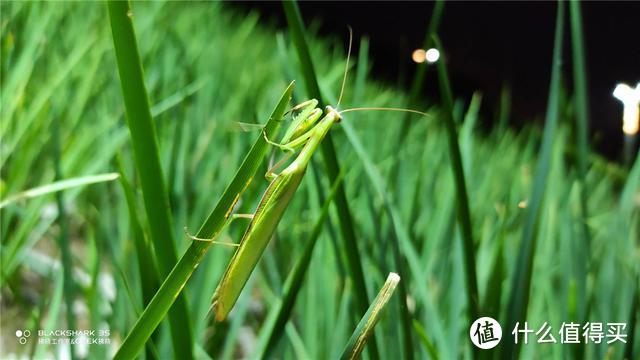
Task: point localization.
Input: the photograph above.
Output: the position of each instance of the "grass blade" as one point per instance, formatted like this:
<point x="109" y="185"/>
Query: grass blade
<point x="397" y="233"/>
<point x="175" y="282"/>
<point x="297" y="32"/>
<point x="424" y="339"/>
<point x="58" y="186"/>
<point x="462" y="198"/>
<point x="521" y="283"/>
<point x="69" y="286"/>
<point x="365" y="327"/>
<point x="147" y="160"/>
<point x="147" y="268"/>
<point x="582" y="131"/>
<point x="421" y="70"/>
<point x="580" y="87"/>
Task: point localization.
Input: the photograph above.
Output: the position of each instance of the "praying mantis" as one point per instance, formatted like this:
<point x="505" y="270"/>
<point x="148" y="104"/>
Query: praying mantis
<point x="307" y="130"/>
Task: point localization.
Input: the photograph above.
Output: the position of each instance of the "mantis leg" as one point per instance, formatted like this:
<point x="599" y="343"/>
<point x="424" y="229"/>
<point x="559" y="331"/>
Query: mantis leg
<point x="312" y="103"/>
<point x="225" y="243"/>
<point x="271" y="173"/>
<point x="284" y="147"/>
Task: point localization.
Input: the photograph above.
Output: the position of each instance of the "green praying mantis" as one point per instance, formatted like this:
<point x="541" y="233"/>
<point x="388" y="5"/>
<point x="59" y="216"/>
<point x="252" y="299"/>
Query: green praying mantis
<point x="308" y="132"/>
<point x="308" y="129"/>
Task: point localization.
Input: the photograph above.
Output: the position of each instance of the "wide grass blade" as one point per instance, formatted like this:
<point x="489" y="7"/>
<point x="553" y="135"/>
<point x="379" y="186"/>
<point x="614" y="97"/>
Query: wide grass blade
<point x="462" y="198"/>
<point x="364" y="330"/>
<point x="297" y="32"/>
<point x="147" y="160"/>
<point x="521" y="282"/>
<point x="175" y="282"/>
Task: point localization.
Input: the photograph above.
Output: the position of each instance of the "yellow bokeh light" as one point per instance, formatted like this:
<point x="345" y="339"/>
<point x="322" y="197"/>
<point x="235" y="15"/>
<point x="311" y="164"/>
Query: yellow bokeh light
<point x="419" y="56"/>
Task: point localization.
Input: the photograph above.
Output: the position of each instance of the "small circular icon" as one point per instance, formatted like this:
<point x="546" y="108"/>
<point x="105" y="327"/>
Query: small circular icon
<point x="22" y="336"/>
<point x="485" y="333"/>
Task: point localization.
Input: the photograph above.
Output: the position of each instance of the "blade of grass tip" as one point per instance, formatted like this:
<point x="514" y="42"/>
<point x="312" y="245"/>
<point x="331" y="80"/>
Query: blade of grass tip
<point x="462" y="199"/>
<point x="416" y="85"/>
<point x="582" y="127"/>
<point x="147" y="161"/>
<point x="580" y="86"/>
<point x="175" y="282"/>
<point x="274" y="326"/>
<point x="297" y="32"/>
<point x="424" y="339"/>
<point x="421" y="70"/>
<point x="365" y="327"/>
<point x="63" y="238"/>
<point x="58" y="186"/>
<point x="521" y="283"/>
<point x="505" y="109"/>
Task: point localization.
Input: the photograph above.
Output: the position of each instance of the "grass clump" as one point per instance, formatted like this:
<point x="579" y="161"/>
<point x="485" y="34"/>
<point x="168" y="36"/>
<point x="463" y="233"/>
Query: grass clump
<point x="201" y="80"/>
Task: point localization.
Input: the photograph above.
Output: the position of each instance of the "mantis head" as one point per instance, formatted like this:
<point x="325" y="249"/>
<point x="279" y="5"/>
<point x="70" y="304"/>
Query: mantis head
<point x="330" y="110"/>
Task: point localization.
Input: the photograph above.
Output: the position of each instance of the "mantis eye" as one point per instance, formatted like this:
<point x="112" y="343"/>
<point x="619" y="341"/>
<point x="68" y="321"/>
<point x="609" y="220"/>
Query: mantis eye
<point x="330" y="110"/>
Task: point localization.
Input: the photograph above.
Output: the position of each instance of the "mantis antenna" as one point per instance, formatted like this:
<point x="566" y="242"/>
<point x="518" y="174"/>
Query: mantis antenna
<point x="346" y="67"/>
<point x="385" y="109"/>
<point x="344" y="81"/>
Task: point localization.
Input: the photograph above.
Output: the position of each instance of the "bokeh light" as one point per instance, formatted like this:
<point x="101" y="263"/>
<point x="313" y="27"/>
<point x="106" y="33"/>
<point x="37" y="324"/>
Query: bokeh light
<point x="419" y="56"/>
<point x="630" y="99"/>
<point x="432" y="55"/>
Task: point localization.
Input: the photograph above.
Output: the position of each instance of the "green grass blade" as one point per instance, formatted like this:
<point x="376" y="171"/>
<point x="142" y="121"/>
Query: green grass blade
<point x="297" y="32"/>
<point x="580" y="87"/>
<point x="147" y="160"/>
<point x="58" y="186"/>
<point x="424" y="339"/>
<point x="582" y="131"/>
<point x="462" y="198"/>
<point x="274" y="326"/>
<point x="421" y="70"/>
<point x="147" y="268"/>
<point x="504" y="109"/>
<point x="521" y="282"/>
<point x="418" y="81"/>
<point x="633" y="320"/>
<point x="69" y="285"/>
<point x="397" y="233"/>
<point x="364" y="330"/>
<point x="174" y="283"/>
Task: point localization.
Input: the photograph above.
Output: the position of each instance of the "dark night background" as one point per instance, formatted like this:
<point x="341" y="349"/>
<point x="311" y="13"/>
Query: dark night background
<point x="490" y="44"/>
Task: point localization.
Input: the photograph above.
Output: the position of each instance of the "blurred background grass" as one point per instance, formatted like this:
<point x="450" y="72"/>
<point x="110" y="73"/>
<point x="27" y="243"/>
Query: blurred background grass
<point x="207" y="69"/>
